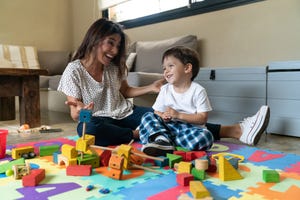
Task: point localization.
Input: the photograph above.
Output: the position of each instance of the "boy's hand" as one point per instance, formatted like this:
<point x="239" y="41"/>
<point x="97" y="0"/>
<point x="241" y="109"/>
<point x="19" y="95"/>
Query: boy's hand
<point x="173" y="114"/>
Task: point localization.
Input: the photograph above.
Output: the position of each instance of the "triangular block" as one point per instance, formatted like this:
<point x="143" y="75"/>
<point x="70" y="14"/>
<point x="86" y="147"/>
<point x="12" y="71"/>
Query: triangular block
<point x="226" y="171"/>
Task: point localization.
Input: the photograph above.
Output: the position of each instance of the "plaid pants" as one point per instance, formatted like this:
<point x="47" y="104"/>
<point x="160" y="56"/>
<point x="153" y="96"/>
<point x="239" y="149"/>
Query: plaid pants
<point x="179" y="133"/>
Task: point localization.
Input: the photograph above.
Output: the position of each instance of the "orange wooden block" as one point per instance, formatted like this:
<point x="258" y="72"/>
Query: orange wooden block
<point x="34" y="178"/>
<point x="115" y="173"/>
<point x="116" y="162"/>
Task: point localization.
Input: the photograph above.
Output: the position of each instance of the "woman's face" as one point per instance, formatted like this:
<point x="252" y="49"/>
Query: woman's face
<point x="108" y="48"/>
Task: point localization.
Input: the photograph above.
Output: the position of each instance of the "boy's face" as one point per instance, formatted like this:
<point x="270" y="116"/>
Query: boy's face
<point x="175" y="72"/>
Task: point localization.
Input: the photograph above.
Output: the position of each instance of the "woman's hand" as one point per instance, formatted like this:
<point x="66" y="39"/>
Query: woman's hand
<point x="157" y="85"/>
<point x="76" y="106"/>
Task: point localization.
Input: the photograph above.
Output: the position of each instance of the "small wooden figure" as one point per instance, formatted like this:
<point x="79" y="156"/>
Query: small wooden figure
<point x="20" y="151"/>
<point x="21" y="170"/>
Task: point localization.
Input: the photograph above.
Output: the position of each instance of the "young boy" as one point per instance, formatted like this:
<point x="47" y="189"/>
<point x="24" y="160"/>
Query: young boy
<point x="180" y="110"/>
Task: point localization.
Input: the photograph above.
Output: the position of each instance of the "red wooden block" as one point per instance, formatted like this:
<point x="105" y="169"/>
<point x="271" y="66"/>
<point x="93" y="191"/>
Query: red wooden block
<point x="184" y="179"/>
<point x="212" y="166"/>
<point x="104" y="158"/>
<point x="192" y="155"/>
<point x="79" y="170"/>
<point x="34" y="178"/>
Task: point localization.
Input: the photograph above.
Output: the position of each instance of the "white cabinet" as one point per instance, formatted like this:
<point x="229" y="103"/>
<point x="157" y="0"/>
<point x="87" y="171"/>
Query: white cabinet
<point x="283" y="97"/>
<point x="235" y="93"/>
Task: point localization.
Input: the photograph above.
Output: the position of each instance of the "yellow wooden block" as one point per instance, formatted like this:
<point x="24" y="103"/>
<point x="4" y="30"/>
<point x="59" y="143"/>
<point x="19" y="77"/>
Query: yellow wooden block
<point x="184" y="167"/>
<point x="84" y="144"/>
<point x="198" y="190"/>
<point x="226" y="171"/>
<point x="124" y="150"/>
<point x="17" y="153"/>
<point x="69" y="151"/>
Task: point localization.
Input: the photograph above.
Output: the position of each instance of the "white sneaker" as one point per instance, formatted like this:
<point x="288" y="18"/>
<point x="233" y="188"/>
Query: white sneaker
<point x="253" y="127"/>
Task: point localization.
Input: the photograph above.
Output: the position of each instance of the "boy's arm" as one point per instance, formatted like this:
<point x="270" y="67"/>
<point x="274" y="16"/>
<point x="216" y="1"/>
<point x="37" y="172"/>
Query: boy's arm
<point x="197" y="118"/>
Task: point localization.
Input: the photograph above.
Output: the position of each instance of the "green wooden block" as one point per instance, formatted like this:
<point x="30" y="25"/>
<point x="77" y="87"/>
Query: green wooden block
<point x="4" y="167"/>
<point x="173" y="159"/>
<point x="271" y="176"/>
<point x="48" y="150"/>
<point x="89" y="159"/>
<point x="199" y="174"/>
<point x="181" y="149"/>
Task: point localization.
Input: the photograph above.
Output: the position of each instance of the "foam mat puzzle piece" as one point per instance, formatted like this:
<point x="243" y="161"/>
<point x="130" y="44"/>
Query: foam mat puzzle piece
<point x="265" y="189"/>
<point x="142" y="176"/>
<point x="267" y="158"/>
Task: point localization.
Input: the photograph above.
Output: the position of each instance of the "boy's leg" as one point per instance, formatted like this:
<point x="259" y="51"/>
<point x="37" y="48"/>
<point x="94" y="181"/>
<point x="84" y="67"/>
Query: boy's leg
<point x="248" y="131"/>
<point x="154" y="135"/>
<point x="191" y="137"/>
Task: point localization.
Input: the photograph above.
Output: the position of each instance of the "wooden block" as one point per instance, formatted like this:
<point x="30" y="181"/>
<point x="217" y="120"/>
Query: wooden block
<point x="55" y="157"/>
<point x="173" y="159"/>
<point x="34" y="178"/>
<point x="198" y="190"/>
<point x="181" y="153"/>
<point x="79" y="170"/>
<point x="89" y="159"/>
<point x="115" y="173"/>
<point x="69" y="151"/>
<point x="192" y="155"/>
<point x="124" y="150"/>
<point x="199" y="174"/>
<point x="163" y="163"/>
<point x="184" y="167"/>
<point x="201" y="164"/>
<point x="104" y="157"/>
<point x="226" y="171"/>
<point x="48" y="150"/>
<point x="184" y="179"/>
<point x="116" y="162"/>
<point x="84" y="144"/>
<point x="271" y="176"/>
<point x="85" y="115"/>
<point x="17" y="153"/>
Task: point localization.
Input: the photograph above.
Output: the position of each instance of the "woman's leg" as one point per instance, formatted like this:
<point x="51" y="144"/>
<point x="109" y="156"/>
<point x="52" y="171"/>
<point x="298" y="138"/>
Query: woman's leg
<point x="106" y="131"/>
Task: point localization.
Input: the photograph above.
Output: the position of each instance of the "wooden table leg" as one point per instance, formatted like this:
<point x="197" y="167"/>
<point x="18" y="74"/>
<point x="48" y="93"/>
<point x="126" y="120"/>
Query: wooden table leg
<point x="7" y="108"/>
<point x="30" y="102"/>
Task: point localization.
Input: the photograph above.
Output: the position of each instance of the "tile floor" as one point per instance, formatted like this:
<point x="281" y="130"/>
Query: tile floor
<point x="64" y="121"/>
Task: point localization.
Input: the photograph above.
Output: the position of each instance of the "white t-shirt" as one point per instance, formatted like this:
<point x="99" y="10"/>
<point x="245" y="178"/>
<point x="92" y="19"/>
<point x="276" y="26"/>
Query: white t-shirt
<point x="194" y="100"/>
<point x="109" y="102"/>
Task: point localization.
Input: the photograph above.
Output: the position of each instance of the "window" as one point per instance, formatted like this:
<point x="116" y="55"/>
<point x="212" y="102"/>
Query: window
<point x="133" y="13"/>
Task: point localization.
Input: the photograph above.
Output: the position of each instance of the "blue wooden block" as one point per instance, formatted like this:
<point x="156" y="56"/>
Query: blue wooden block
<point x="85" y="115"/>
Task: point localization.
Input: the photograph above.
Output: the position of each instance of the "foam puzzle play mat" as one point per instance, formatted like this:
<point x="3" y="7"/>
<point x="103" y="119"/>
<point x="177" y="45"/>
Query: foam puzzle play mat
<point x="73" y="168"/>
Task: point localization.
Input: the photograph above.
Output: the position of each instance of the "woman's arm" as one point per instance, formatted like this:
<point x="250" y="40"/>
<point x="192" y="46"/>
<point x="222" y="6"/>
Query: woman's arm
<point x="129" y="91"/>
<point x="76" y="105"/>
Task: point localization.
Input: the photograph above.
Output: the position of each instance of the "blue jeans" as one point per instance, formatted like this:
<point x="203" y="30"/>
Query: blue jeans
<point x="109" y="131"/>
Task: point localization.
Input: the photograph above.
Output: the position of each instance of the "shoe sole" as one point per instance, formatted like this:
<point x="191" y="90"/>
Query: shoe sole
<point x="157" y="150"/>
<point x="262" y="128"/>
